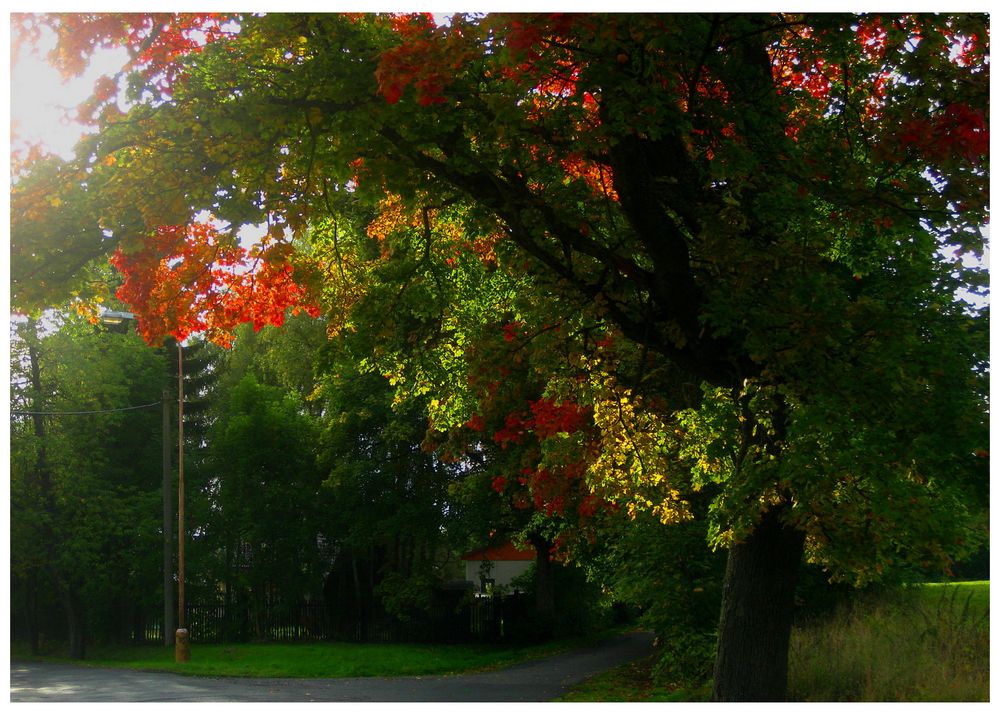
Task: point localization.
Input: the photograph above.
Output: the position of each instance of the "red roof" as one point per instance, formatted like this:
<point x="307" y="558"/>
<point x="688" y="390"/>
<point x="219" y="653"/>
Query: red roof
<point x="501" y="552"/>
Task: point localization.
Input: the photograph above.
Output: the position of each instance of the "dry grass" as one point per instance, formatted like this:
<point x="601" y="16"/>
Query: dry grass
<point x="924" y="644"/>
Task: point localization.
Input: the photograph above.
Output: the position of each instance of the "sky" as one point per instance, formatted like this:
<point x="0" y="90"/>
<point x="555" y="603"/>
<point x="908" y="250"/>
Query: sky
<point x="40" y="98"/>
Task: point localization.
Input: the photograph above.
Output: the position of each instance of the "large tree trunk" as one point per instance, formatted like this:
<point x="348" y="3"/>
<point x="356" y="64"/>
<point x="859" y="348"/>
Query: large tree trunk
<point x="758" y="597"/>
<point x="545" y="599"/>
<point x="31" y="611"/>
<point x="76" y="623"/>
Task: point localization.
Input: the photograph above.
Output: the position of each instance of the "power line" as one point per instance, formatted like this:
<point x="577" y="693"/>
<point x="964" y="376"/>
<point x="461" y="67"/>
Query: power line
<point x="92" y="411"/>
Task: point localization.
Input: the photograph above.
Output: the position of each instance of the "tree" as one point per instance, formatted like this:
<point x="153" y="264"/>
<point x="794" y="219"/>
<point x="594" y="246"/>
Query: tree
<point x="265" y="497"/>
<point x="290" y="358"/>
<point x="85" y="489"/>
<point x="388" y="524"/>
<point x="763" y="207"/>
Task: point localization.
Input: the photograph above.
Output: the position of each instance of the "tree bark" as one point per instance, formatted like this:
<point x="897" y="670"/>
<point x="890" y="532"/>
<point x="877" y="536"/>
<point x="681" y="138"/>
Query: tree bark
<point x="76" y="623"/>
<point x="31" y="612"/>
<point x="545" y="600"/>
<point x="751" y="663"/>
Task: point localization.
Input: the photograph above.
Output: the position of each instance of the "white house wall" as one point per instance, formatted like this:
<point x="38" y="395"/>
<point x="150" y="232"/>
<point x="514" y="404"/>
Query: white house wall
<point x="502" y="571"/>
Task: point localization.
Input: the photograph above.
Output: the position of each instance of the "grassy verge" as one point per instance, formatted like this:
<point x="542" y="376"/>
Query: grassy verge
<point x="928" y="643"/>
<point x="632" y="682"/>
<point x="322" y="659"/>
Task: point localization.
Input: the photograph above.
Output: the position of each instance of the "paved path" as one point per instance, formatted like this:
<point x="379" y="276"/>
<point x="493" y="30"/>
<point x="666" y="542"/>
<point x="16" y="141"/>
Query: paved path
<point x="535" y="681"/>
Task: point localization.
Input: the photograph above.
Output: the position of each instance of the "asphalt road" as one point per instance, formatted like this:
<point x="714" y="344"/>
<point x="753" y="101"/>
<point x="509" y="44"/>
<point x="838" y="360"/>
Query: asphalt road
<point x="535" y="681"/>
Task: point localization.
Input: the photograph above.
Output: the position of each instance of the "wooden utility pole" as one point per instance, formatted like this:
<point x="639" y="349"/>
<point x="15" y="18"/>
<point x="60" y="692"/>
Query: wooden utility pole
<point x="182" y="647"/>
<point x="168" y="531"/>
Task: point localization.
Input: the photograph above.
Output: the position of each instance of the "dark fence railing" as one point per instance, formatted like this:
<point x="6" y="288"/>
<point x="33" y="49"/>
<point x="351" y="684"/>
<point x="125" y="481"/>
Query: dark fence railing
<point x="480" y="619"/>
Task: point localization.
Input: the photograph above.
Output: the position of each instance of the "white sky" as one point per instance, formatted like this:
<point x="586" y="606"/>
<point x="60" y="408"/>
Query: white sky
<point x="40" y="99"/>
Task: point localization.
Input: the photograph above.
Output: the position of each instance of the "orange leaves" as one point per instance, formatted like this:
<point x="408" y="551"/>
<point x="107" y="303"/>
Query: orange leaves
<point x="597" y="176"/>
<point x="451" y="241"/>
<point x="188" y="279"/>
<point x="392" y="215"/>
<point x="80" y="34"/>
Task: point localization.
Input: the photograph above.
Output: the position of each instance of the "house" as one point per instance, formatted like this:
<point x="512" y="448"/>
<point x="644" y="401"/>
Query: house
<point x="497" y="566"/>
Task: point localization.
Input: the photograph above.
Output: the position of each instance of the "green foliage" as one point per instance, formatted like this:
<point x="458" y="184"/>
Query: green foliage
<point x="582" y="605"/>
<point x="431" y="216"/>
<point x="667" y="571"/>
<point x="388" y="520"/>
<point x="732" y="238"/>
<point x="85" y="481"/>
<point x="266" y="494"/>
<point x="287" y="358"/>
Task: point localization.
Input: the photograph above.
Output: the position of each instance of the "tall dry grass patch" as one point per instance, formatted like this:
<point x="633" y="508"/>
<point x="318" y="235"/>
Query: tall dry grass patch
<point x="927" y="643"/>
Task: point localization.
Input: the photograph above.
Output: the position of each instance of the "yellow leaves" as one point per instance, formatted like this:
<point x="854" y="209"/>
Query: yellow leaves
<point x="341" y="271"/>
<point x="636" y="461"/>
<point x="88" y="309"/>
<point x="668" y="512"/>
<point x="391" y="216"/>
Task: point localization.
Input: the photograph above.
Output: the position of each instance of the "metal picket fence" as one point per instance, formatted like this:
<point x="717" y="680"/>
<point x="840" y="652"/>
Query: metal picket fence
<point x="479" y="619"/>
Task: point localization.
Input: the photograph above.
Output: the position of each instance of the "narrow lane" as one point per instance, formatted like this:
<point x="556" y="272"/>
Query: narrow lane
<point x="535" y="681"/>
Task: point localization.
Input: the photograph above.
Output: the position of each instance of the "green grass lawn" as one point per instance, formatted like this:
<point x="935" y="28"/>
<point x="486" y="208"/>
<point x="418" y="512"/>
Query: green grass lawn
<point x="321" y="659"/>
<point x="977" y="592"/>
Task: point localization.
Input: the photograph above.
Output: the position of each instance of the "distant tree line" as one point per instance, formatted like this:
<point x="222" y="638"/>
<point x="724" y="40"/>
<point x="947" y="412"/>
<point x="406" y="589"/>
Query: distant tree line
<point x="305" y="487"/>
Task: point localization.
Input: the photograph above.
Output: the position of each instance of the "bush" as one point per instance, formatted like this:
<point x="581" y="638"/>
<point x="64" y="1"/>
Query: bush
<point x="685" y="658"/>
<point x="669" y="572"/>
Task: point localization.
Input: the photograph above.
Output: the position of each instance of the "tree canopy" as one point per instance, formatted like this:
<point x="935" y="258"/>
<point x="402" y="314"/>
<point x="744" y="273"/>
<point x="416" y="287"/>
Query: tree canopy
<point x="680" y="257"/>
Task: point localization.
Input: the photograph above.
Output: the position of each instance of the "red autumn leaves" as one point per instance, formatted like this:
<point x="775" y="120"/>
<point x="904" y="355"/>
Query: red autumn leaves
<point x="955" y="131"/>
<point x="425" y="59"/>
<point x="188" y="279"/>
<point x="544" y="418"/>
<point x="550" y="488"/>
